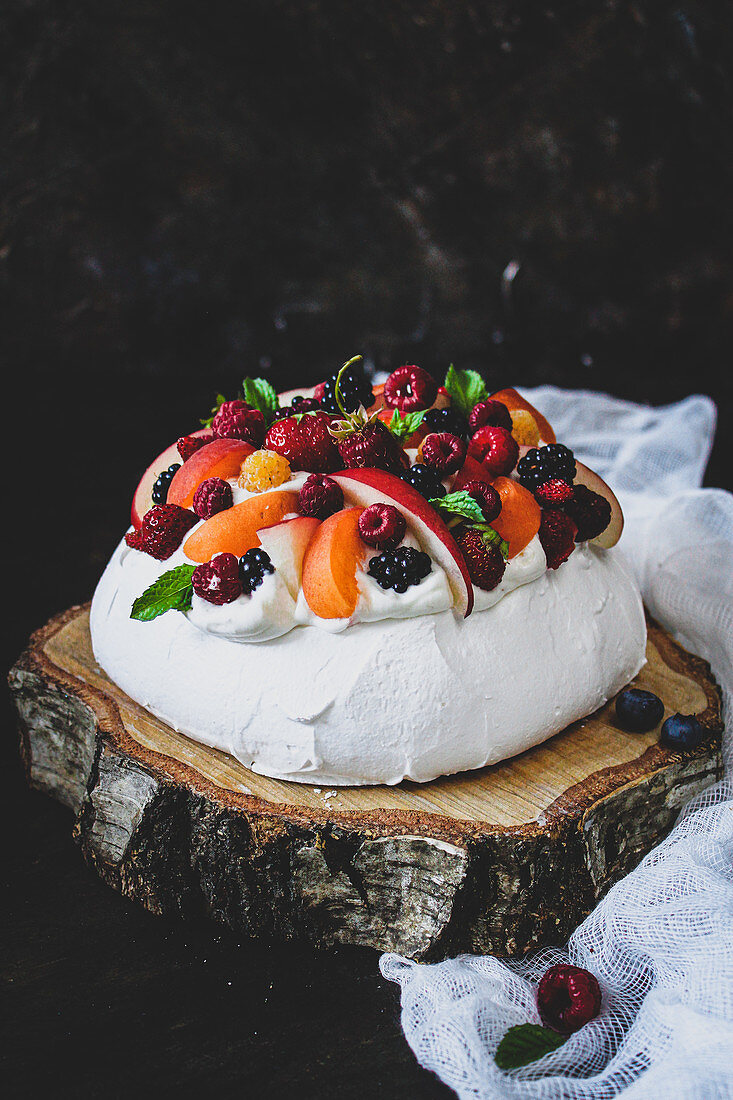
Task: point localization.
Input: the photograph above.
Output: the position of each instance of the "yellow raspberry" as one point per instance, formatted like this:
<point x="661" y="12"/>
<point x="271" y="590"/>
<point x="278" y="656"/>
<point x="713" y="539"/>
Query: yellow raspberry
<point x="524" y="428"/>
<point x="263" y="470"/>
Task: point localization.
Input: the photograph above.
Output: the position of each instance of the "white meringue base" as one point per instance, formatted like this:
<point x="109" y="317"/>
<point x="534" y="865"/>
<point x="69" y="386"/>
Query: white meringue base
<point x="384" y="701"/>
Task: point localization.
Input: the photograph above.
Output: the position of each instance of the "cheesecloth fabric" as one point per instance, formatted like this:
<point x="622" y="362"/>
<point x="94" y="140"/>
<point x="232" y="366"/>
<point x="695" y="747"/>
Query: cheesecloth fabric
<point x="661" y="941"/>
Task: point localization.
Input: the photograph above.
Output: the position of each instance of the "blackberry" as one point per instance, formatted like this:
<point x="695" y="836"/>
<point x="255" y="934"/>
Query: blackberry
<point x="252" y="569"/>
<point x="299" y="405"/>
<point x="400" y="568"/>
<point x="163" y="484"/>
<point x="354" y="389"/>
<point x="546" y="463"/>
<point x="425" y="480"/>
<point x="446" y="420"/>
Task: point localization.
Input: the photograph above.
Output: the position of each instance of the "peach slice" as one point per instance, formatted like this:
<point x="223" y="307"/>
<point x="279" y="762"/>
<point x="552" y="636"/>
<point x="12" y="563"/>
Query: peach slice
<point x="286" y="544"/>
<point x="234" y="531"/>
<point x="367" y="487"/>
<point x="585" y="476"/>
<point x="142" y="501"/>
<point x="519" y="519"/>
<point x="513" y="401"/>
<point x="220" y="458"/>
<point x="329" y="567"/>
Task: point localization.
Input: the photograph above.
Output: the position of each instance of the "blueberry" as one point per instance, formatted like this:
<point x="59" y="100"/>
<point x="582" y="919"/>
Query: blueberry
<point x="638" y="711"/>
<point x="682" y="731"/>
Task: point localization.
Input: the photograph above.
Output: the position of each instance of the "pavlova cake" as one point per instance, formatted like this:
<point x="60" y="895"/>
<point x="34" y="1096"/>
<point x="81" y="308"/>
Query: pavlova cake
<point x="357" y="585"/>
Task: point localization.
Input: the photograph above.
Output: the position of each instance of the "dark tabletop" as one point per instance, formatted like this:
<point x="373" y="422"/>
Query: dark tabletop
<point x="270" y="187"/>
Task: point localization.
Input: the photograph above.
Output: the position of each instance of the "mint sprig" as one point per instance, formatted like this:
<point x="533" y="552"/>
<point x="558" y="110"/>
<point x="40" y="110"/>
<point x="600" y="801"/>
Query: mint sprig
<point x="460" y="503"/>
<point x="261" y="395"/>
<point x="220" y="399"/>
<point x="171" y="592"/>
<point x="402" y="427"/>
<point x="526" y="1043"/>
<point x="466" y="388"/>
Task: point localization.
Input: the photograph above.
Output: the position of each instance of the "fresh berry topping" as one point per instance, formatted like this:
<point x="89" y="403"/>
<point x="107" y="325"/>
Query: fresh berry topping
<point x="253" y="566"/>
<point x="487" y="497"/>
<point x="485" y="562"/>
<point x="682" y="731"/>
<point x="320" y="497"/>
<point x="410" y="389"/>
<point x="426" y="481"/>
<point x="163" y="483"/>
<point x="264" y="470"/>
<point x="217" y="581"/>
<point x="557" y="534"/>
<point x="162" y="530"/>
<point x="399" y="569"/>
<point x="638" y="711"/>
<point x="369" y="445"/>
<point x="212" y="496"/>
<point x="590" y="511"/>
<point x="382" y="526"/>
<point x="238" y="420"/>
<point x="490" y="412"/>
<point x="541" y="464"/>
<point x="443" y="452"/>
<point x="554" y="493"/>
<point x="524" y="428"/>
<point x="446" y="420"/>
<point x="354" y="390"/>
<point x="299" y="405"/>
<point x="495" y="449"/>
<point x="568" y="997"/>
<point x="306" y="442"/>
<point x="188" y="444"/>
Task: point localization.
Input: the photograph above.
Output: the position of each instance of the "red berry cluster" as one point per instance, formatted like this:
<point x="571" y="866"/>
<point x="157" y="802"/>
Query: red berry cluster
<point x="238" y="420"/>
<point x="161" y="531"/>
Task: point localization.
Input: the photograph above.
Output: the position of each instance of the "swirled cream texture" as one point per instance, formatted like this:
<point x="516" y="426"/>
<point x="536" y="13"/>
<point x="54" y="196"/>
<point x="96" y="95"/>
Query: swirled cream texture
<point x="390" y="698"/>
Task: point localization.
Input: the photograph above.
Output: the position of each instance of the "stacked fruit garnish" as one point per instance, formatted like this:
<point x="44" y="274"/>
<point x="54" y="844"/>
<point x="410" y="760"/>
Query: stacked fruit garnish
<point x="471" y="477"/>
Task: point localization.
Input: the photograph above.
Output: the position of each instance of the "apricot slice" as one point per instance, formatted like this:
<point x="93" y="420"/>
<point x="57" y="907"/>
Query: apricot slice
<point x="329" y="567"/>
<point x="220" y="458"/>
<point x="519" y="519"/>
<point x="513" y="401"/>
<point x="234" y="531"/>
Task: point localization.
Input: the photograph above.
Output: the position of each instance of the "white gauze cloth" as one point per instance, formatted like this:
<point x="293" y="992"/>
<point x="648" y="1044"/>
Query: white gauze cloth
<point x="661" y="941"/>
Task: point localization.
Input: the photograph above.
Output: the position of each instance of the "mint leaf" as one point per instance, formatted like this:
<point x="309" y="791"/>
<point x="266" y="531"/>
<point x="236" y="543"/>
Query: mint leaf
<point x="459" y="504"/>
<point x="220" y="399"/>
<point x="526" y="1043"/>
<point x="171" y="592"/>
<point x="261" y="395"/>
<point x="466" y="389"/>
<point x="492" y="537"/>
<point x="403" y="426"/>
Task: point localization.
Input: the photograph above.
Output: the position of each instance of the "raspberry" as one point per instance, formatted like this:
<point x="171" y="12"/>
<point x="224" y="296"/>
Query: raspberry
<point x="495" y="449"/>
<point x="410" y="389"/>
<point x="306" y="442"/>
<point x="491" y="412"/>
<point x="212" y="496"/>
<point x="162" y="530"/>
<point x="539" y="465"/>
<point x="400" y="569"/>
<point x="163" y="483"/>
<point x="554" y="493"/>
<point x="217" y="581"/>
<point x="590" y="511"/>
<point x="485" y="562"/>
<point x="524" y="428"/>
<point x="557" y="535"/>
<point x="382" y="526"/>
<point x="371" y="446"/>
<point x="189" y="444"/>
<point x="264" y="470"/>
<point x="443" y="452"/>
<point x="252" y="569"/>
<point x="238" y="420"/>
<point x="320" y="497"/>
<point x="568" y="997"/>
<point x="487" y="497"/>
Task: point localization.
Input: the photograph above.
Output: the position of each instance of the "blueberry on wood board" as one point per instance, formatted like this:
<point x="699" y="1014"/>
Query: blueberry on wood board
<point x="501" y="860"/>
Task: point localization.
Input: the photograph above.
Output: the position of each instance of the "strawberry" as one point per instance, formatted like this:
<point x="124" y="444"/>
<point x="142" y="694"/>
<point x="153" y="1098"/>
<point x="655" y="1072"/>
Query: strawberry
<point x="557" y="534"/>
<point x="485" y="561"/>
<point x="306" y="442"/>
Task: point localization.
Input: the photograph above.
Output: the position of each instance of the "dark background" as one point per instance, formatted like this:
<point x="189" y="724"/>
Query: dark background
<point x="192" y="193"/>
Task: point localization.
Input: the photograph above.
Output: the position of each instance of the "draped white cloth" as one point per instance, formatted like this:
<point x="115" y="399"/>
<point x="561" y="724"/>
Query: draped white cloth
<point x="661" y="941"/>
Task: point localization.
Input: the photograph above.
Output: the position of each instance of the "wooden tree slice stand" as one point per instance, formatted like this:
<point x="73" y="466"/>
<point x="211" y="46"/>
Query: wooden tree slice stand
<point x="500" y="860"/>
